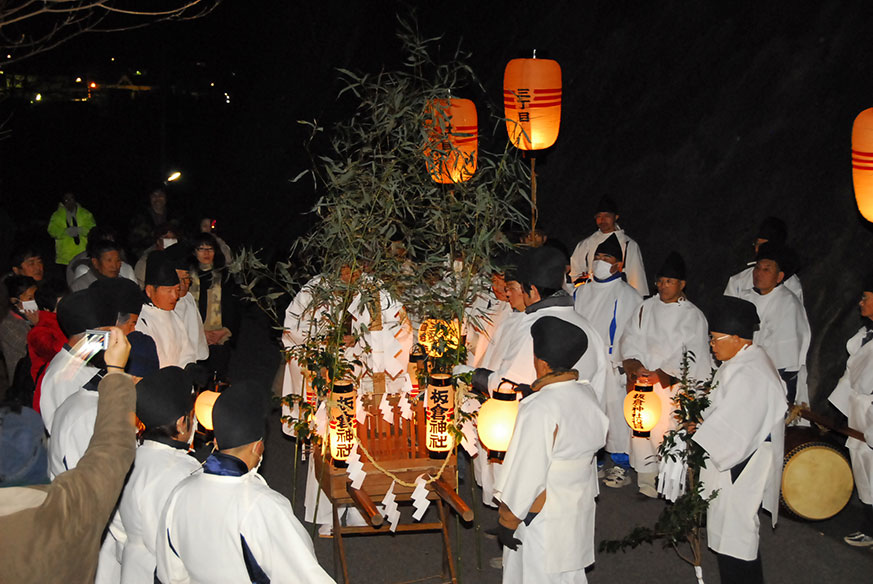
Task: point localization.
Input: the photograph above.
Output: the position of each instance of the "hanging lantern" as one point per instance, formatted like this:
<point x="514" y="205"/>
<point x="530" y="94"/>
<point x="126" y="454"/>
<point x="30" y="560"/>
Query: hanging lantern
<point x="453" y="138"/>
<point x="496" y="421"/>
<point x="416" y="364"/>
<point x="440" y="412"/>
<point x="341" y="427"/>
<point x="437" y="336"/>
<point x="862" y="162"/>
<point x="642" y="408"/>
<point x="532" y="102"/>
<point x="203" y="407"/>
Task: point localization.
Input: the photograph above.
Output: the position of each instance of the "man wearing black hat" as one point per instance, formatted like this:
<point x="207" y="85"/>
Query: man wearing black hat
<point x="582" y="260"/>
<point x="608" y="301"/>
<point x="164" y="405"/>
<point x="743" y="434"/>
<point x="784" y="332"/>
<point x="158" y="319"/>
<point x="773" y="230"/>
<point x="853" y="396"/>
<point x="655" y="339"/>
<point x="549" y="537"/>
<point x="225" y="524"/>
<point x="186" y="307"/>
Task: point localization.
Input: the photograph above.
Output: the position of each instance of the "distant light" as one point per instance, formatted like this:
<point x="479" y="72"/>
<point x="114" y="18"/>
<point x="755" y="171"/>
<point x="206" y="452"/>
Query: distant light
<point x="93" y="85"/>
<point x="1" y="72"/>
<point x="8" y="56"/>
<point x="138" y="72"/>
<point x="38" y="97"/>
<point x="112" y="59"/>
<point x="174" y="176"/>
<point x="78" y="79"/>
<point x="212" y="85"/>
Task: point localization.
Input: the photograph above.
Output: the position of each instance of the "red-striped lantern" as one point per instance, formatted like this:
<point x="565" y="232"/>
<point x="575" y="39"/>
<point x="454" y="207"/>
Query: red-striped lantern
<point x="532" y="102"/>
<point x="862" y="162"/>
<point x="453" y="140"/>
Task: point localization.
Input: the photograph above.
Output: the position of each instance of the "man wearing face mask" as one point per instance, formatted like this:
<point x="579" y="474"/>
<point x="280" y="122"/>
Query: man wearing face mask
<point x="225" y="524"/>
<point x="607" y="301"/>
<point x="164" y="237"/>
<point x="651" y="348"/>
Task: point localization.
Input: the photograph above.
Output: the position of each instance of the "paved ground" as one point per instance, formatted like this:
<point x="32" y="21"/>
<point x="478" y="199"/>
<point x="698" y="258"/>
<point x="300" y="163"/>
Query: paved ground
<point x="796" y="552"/>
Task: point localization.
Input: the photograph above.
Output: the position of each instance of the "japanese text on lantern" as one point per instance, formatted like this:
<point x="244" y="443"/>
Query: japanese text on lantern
<point x="342" y="425"/>
<point x="440" y="410"/>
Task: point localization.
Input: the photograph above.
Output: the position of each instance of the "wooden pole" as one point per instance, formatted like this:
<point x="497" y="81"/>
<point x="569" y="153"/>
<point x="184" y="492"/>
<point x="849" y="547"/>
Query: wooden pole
<point x="808" y="414"/>
<point x="534" y="214"/>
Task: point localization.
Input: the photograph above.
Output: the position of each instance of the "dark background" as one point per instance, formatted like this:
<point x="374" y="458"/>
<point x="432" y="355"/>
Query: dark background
<point x="699" y="120"/>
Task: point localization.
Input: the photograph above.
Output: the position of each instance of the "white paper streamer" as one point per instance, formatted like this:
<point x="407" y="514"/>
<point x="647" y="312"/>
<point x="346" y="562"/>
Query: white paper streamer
<point x="405" y="407"/>
<point x="321" y="420"/>
<point x="672" y="470"/>
<point x="419" y="498"/>
<point x="356" y="468"/>
<point x="386" y="409"/>
<point x="470" y="438"/>
<point x="391" y="510"/>
<point x="360" y="412"/>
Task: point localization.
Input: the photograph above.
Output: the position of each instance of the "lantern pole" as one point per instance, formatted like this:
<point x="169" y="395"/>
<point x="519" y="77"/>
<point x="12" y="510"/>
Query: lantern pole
<point x="533" y="197"/>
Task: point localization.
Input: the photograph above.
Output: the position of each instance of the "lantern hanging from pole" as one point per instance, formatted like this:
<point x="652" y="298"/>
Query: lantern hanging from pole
<point x="532" y="102"/>
<point x="438" y="336"/>
<point x="414" y="369"/>
<point x="453" y="138"/>
<point x="496" y="421"/>
<point x="203" y="407"/>
<point x="341" y="426"/>
<point x="440" y="412"/>
<point x="862" y="162"/>
<point x="642" y="408"/>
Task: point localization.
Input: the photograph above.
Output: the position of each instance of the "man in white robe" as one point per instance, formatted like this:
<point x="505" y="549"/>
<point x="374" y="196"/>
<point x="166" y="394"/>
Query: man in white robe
<point x="608" y="302"/>
<point x="225" y="524"/>
<point x="655" y="338"/>
<point x="853" y="396"/>
<point x="784" y="332"/>
<point x="186" y="306"/>
<point x="582" y="260"/>
<point x="484" y="316"/>
<point x="548" y="480"/>
<point x="772" y="229"/>
<point x="743" y="433"/>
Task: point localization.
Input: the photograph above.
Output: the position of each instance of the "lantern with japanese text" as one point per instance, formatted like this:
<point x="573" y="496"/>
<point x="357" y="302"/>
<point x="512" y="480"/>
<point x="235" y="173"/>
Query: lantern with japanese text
<point x="203" y="407"/>
<point x="440" y="412"/>
<point x="496" y="421"/>
<point x="341" y="426"/>
<point x="438" y="336"/>
<point x="532" y="102"/>
<point x="453" y="138"/>
<point x="862" y="162"/>
<point x="415" y="368"/>
<point x="642" y="408"/>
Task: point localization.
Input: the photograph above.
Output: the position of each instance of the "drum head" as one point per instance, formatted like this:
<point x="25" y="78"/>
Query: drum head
<point x="816" y="481"/>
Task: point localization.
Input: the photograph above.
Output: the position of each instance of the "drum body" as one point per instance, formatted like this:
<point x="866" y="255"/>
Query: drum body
<point x="816" y="475"/>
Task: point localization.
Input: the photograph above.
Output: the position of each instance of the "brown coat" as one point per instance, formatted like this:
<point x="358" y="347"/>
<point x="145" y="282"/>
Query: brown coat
<point x="58" y="539"/>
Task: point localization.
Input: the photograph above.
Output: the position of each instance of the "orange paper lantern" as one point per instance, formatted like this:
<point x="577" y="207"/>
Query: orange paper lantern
<point x="341" y="427"/>
<point x="453" y="140"/>
<point x="862" y="162"/>
<point x="532" y="102"/>
<point x="642" y="408"/>
<point x="203" y="407"/>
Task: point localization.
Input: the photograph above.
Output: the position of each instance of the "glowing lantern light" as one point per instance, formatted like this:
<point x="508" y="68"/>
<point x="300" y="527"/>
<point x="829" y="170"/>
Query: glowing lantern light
<point x="862" y="162"/>
<point x="532" y="102"/>
<point x="642" y="408"/>
<point x="437" y="336"/>
<point x="496" y="421"/>
<point x="440" y="412"/>
<point x="341" y="427"/>
<point x="453" y="139"/>
<point x="416" y="363"/>
<point x="203" y="407"/>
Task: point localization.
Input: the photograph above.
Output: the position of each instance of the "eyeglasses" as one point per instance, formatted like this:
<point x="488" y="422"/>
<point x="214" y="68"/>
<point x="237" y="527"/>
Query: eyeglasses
<point x="713" y="340"/>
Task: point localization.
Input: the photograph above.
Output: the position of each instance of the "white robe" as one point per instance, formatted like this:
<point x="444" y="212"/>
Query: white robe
<point x="207" y="515"/>
<point x="746" y="406"/>
<point x="63" y="377"/>
<point x="742" y="282"/>
<point x="608" y="306"/>
<point x="483" y="318"/>
<point x="170" y="334"/>
<point x="158" y="468"/>
<point x="582" y="260"/>
<point x="188" y="311"/>
<point x="853" y="396"/>
<point x="558" y="431"/>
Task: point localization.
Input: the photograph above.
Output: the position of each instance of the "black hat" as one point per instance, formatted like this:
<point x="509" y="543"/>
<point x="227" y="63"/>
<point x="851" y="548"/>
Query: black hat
<point x="238" y="415"/>
<point x="143" y="358"/>
<point x="543" y="267"/>
<point x="673" y="267"/>
<point x="557" y="342"/>
<point x="734" y="316"/>
<point x="774" y="230"/>
<point x="776" y="252"/>
<point x="84" y="310"/>
<point x="610" y="246"/>
<point x="179" y="255"/>
<point x="164" y="396"/>
<point x="867" y="283"/>
<point x="509" y="263"/>
<point x="606" y="205"/>
<point x="123" y="295"/>
<point x="160" y="270"/>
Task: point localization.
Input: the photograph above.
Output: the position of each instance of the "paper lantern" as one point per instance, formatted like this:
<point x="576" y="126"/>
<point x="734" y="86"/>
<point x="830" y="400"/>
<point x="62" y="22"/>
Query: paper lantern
<point x="496" y="421"/>
<point x="203" y="407"/>
<point x="341" y="428"/>
<point x="862" y="162"/>
<point x="415" y="368"/>
<point x="642" y="408"/>
<point x="437" y="336"/>
<point x="532" y="102"/>
<point x="453" y="138"/>
<point x="440" y="412"/>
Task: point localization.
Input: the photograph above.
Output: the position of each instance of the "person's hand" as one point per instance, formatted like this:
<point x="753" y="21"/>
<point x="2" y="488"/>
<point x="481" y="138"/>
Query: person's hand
<point x="31" y="315"/>
<point x="116" y="354"/>
<point x="215" y="337"/>
<point x="505" y="536"/>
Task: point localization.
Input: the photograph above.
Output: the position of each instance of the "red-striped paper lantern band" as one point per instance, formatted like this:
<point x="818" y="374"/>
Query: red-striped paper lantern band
<point x="452" y="148"/>
<point x="862" y="162"/>
<point x="532" y="102"/>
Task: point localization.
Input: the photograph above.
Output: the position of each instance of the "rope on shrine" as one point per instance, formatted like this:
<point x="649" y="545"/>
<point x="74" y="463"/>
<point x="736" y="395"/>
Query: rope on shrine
<point x="394" y="477"/>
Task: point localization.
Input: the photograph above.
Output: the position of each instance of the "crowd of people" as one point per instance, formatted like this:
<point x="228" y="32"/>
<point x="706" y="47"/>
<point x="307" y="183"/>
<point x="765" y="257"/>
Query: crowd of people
<point x="574" y="333"/>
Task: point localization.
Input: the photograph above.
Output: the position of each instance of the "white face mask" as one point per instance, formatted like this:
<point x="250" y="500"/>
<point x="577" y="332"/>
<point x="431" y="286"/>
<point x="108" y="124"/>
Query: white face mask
<point x="168" y="241"/>
<point x="28" y="305"/>
<point x="602" y="269"/>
